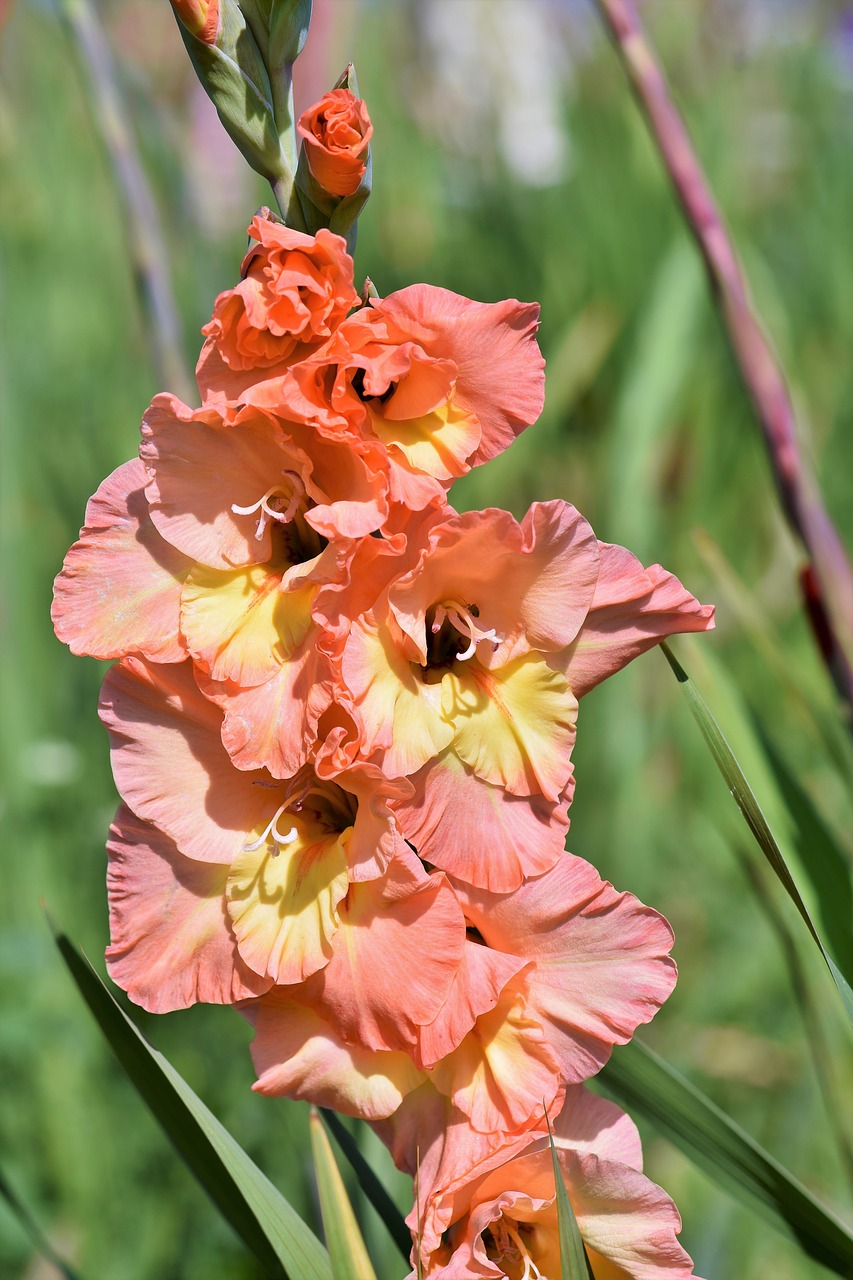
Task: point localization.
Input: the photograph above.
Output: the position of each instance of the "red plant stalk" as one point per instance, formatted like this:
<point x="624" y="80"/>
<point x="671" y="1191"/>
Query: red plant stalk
<point x="827" y="579"/>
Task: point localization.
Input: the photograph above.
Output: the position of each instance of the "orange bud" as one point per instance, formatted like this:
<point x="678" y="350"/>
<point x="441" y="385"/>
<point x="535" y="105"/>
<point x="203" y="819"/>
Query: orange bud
<point x="200" y="17"/>
<point x="336" y="133"/>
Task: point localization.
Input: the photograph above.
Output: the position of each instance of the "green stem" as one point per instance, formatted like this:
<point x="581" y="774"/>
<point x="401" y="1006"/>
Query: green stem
<point x="147" y="249"/>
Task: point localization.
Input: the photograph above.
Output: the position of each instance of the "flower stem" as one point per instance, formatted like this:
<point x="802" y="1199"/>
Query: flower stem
<point x="827" y="580"/>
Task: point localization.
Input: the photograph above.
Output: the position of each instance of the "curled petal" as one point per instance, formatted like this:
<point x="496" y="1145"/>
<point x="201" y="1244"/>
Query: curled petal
<point x="298" y="1054"/>
<point x="632" y="610"/>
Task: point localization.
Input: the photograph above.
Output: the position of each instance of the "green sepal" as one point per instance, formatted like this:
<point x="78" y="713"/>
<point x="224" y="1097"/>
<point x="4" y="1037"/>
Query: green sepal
<point x="233" y="74"/>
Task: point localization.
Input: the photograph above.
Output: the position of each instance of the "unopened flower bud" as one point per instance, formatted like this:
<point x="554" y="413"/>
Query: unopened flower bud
<point x="336" y="135"/>
<point x="333" y="175"/>
<point x="234" y="75"/>
<point x="200" y="17"/>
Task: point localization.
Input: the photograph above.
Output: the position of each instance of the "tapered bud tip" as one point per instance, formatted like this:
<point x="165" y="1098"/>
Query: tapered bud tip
<point x="200" y="17"/>
<point x="336" y="134"/>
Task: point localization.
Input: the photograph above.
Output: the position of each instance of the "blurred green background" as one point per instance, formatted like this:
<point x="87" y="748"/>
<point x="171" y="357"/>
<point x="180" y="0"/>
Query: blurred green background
<point x="509" y="160"/>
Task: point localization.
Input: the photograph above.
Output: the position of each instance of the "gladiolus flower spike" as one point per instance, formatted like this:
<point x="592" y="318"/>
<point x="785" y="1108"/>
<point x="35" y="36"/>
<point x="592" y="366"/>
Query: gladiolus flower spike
<point x="342" y="720"/>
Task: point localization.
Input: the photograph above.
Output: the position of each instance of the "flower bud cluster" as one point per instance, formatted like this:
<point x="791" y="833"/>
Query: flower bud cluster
<point x="341" y="720"/>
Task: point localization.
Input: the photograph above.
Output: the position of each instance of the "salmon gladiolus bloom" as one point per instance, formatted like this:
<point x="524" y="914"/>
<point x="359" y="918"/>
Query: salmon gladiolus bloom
<point x="501" y="1220"/>
<point x="294" y="292"/>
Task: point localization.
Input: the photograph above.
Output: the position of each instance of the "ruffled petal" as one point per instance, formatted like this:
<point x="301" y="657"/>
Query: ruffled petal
<point x="601" y="967"/>
<point x="120" y="587"/>
<point x="274" y="725"/>
<point x="394" y="958"/>
<point x="632" y="610"/>
<point x="169" y="763"/>
<point x="504" y="1070"/>
<point x="480" y="833"/>
<point x="201" y="465"/>
<point x="171" y="943"/>
<point x="500" y="375"/>
<point x="480" y="977"/>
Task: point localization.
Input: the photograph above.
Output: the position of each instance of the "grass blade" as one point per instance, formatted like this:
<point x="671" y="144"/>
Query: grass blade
<point x="33" y="1230"/>
<point x="574" y="1263"/>
<point x="751" y="811"/>
<point x="391" y="1216"/>
<point x="260" y="1215"/>
<point x="347" y="1250"/>
<point x="647" y="1085"/>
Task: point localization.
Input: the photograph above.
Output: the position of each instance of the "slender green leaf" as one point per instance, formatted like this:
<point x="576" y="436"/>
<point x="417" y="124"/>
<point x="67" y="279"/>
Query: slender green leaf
<point x="574" y="1263"/>
<point x="751" y="811"/>
<point x="33" y="1230"/>
<point x="647" y="1085"/>
<point x="822" y="858"/>
<point x="347" y="1250"/>
<point x="260" y="1215"/>
<point x="370" y="1184"/>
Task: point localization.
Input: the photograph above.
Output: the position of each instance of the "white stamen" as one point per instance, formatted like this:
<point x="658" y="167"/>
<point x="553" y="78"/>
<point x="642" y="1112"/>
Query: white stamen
<point x="512" y="1248"/>
<point x="264" y="504"/>
<point x="271" y="829"/>
<point x="462" y="619"/>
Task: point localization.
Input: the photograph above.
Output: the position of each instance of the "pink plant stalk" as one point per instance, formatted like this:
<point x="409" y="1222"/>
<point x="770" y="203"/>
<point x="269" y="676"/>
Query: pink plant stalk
<point x="827" y="580"/>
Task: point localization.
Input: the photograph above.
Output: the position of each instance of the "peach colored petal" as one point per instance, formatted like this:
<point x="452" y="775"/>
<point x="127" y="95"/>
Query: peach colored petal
<point x="376" y="837"/>
<point x="437" y="443"/>
<point x="284" y="902"/>
<point x="201" y="465"/>
<point x="171" y="944"/>
<point x="394" y="958"/>
<point x="336" y="133"/>
<point x="399" y="712"/>
<point x="590" y="1124"/>
<point x="274" y="725"/>
<point x="532" y="584"/>
<point x="601" y="958"/>
<point x="298" y="1054"/>
<point x="169" y="763"/>
<point x="296" y="290"/>
<point x="480" y="977"/>
<point x="500" y="375"/>
<point x="120" y="587"/>
<point x="504" y="1070"/>
<point x="480" y="833"/>
<point x="514" y="726"/>
<point x="241" y="625"/>
<point x="628" y="1224"/>
<point x="633" y="609"/>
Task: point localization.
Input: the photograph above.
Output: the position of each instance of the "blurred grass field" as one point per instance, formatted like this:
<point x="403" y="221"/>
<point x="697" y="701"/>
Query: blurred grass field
<point x="646" y="430"/>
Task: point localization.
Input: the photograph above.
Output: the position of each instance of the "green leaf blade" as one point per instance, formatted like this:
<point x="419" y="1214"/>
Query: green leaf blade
<point x="268" y="1225"/>
<point x="347" y="1250"/>
<point x="385" y="1207"/>
<point x="574" y="1263"/>
<point x="751" y="811"/>
<point x="645" y="1084"/>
